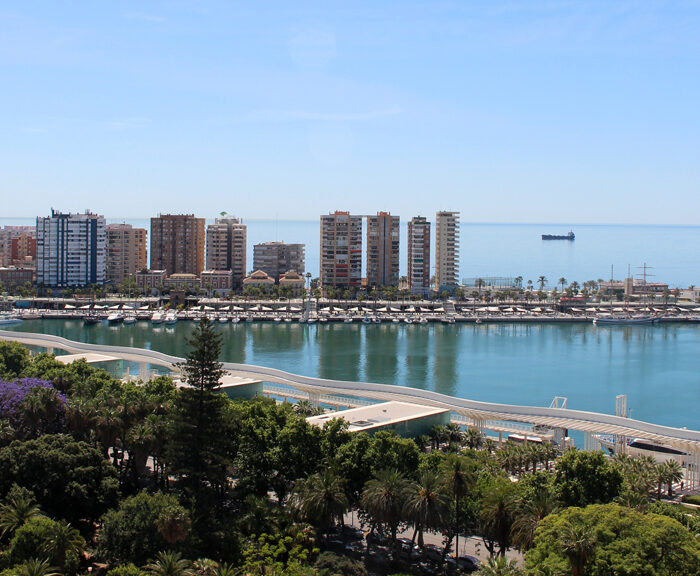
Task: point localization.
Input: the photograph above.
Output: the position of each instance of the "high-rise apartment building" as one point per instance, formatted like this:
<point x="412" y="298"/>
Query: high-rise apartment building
<point x="446" y="250"/>
<point x="341" y="250"/>
<point x="126" y="252"/>
<point x="419" y="255"/>
<point x="177" y="243"/>
<point x="383" y="250"/>
<point x="226" y="248"/>
<point x="278" y="258"/>
<point x="71" y="249"/>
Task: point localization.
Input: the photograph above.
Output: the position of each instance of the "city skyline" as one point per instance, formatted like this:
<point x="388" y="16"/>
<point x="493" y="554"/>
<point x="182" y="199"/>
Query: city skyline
<point x="532" y="112"/>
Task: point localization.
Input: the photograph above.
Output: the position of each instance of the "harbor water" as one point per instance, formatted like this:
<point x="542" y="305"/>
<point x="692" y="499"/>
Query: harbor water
<point x="657" y="366"/>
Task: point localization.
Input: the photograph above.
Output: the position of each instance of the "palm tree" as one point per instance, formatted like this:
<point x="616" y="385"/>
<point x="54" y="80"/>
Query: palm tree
<point x="529" y="514"/>
<point x="18" y="509"/>
<point x="426" y="504"/>
<point x="578" y="544"/>
<point x="225" y="569"/>
<point x="63" y="540"/>
<point x="457" y="477"/>
<point x="499" y="567"/>
<point x="36" y="567"/>
<point x="305" y="408"/>
<point x="453" y="434"/>
<point x="474" y="438"/>
<point x="496" y="516"/>
<point x="322" y="500"/>
<point x="671" y="472"/>
<point x="169" y="564"/>
<point x="542" y="281"/>
<point x="383" y="498"/>
<point x="562" y="283"/>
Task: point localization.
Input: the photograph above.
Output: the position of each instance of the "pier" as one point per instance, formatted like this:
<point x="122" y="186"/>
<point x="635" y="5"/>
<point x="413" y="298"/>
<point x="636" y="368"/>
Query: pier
<point x="482" y="415"/>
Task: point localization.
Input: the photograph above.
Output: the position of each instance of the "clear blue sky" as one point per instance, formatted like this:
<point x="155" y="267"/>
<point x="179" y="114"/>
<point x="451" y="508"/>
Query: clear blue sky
<point x="542" y="111"/>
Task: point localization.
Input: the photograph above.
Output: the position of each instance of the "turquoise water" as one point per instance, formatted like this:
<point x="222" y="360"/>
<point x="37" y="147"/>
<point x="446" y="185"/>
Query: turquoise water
<point x="517" y="249"/>
<point x="658" y="367"/>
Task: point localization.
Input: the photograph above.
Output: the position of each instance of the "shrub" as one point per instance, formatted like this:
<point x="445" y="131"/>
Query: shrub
<point x="692" y="499"/>
<point x="126" y="570"/>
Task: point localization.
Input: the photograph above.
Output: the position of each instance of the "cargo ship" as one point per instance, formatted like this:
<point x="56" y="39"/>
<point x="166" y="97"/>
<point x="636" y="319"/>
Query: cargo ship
<point x="569" y="236"/>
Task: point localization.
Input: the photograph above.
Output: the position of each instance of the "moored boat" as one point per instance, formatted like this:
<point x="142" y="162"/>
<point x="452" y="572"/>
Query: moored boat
<point x="91" y="320"/>
<point x="170" y="318"/>
<point x="157" y="317"/>
<point x="624" y="320"/>
<point x="115" y="318"/>
<point x="130" y="319"/>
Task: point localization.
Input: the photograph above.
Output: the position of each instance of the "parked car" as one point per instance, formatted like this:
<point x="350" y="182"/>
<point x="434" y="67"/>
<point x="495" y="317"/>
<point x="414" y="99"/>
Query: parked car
<point x="407" y="549"/>
<point x="433" y="553"/>
<point x="350" y="533"/>
<point x="355" y="549"/>
<point x="468" y="563"/>
<point x="377" y="538"/>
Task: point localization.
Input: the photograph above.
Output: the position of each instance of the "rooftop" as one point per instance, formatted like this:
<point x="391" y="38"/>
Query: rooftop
<point x="377" y="415"/>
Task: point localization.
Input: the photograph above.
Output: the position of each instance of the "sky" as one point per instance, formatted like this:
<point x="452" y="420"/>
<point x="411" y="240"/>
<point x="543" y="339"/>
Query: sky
<point x="532" y="111"/>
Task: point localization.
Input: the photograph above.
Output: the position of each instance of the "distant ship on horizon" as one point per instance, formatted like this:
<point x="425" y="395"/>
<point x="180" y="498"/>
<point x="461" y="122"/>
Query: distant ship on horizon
<point x="569" y="236"/>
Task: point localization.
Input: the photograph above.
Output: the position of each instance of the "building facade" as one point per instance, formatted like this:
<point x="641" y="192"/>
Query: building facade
<point x="383" y="250"/>
<point x="219" y="281"/>
<point x="150" y="281"/>
<point x="226" y="248"/>
<point x="419" y="255"/>
<point x="71" y="250"/>
<point x="446" y="250"/>
<point x="294" y="281"/>
<point x="341" y="250"/>
<point x="17" y="246"/>
<point x="259" y="279"/>
<point x="126" y="252"/>
<point x="177" y="243"/>
<point x="277" y="258"/>
<point x="12" y="277"/>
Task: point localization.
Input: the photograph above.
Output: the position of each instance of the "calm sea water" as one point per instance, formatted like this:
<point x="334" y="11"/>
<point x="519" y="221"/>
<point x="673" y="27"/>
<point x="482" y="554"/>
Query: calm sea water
<point x="512" y="250"/>
<point x="658" y="367"/>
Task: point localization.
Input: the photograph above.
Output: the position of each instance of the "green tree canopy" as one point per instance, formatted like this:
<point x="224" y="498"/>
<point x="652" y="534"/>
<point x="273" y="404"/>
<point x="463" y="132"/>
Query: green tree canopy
<point x="584" y="478"/>
<point x="142" y="526"/>
<point x="612" y="540"/>
<point x="69" y="479"/>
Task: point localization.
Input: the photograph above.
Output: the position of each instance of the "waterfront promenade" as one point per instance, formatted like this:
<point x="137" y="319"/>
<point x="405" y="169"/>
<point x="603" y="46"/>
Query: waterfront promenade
<point x="475" y="413"/>
<point x="325" y="310"/>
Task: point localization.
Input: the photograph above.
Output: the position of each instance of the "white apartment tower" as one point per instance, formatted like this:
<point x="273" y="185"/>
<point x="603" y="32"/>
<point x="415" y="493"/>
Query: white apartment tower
<point x="446" y="250"/>
<point x="70" y="250"/>
<point x="419" y="255"/>
<point x="341" y="250"/>
<point x="226" y="248"/>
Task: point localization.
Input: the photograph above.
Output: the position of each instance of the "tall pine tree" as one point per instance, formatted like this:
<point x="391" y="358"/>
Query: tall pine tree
<point x="198" y="452"/>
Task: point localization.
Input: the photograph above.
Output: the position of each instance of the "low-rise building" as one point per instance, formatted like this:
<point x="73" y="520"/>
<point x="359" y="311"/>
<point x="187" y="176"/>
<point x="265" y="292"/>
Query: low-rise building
<point x="259" y="279"/>
<point x="185" y="282"/>
<point x="13" y="277"/>
<point x="150" y="281"/>
<point x="294" y="281"/>
<point x="407" y="420"/>
<point x="220" y="281"/>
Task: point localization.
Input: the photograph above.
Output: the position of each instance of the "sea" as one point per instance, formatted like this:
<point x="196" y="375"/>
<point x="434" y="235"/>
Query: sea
<point x="667" y="254"/>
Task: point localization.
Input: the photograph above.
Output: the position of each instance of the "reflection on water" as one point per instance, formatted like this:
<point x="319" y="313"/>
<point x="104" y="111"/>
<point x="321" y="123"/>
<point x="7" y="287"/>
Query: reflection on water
<point x="658" y="367"/>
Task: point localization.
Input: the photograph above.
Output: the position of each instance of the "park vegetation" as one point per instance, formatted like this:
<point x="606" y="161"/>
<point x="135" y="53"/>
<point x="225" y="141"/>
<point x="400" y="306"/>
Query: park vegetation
<point x="136" y="479"/>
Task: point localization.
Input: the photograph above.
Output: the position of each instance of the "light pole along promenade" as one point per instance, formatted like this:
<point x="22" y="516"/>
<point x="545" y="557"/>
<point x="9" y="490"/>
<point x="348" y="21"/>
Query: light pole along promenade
<point x="476" y="413"/>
